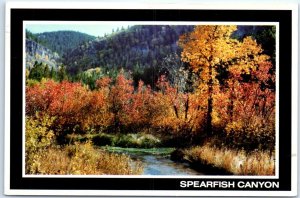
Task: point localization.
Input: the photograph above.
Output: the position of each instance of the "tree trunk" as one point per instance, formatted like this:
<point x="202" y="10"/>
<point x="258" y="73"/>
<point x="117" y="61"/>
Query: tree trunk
<point x="208" y="117"/>
<point x="230" y="108"/>
<point x="176" y="111"/>
<point x="186" y="107"/>
<point x="209" y="104"/>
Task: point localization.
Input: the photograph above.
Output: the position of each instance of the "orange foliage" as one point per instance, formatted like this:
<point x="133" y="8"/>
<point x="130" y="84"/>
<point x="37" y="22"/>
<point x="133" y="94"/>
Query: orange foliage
<point x="140" y="111"/>
<point x="176" y="113"/>
<point x="70" y="103"/>
<point x="239" y="103"/>
<point x="236" y="102"/>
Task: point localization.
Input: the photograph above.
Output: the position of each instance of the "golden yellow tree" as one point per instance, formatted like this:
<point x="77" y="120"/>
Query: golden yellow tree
<point x="210" y="47"/>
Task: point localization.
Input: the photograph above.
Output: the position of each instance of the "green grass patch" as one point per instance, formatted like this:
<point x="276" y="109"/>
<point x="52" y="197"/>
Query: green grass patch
<point x="135" y="140"/>
<point x="152" y="151"/>
<point x="138" y="140"/>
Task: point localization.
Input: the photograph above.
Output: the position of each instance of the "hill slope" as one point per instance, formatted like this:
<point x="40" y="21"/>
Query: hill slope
<point x="49" y="47"/>
<point x="142" y="46"/>
<point x="62" y="41"/>
<point x="142" y="49"/>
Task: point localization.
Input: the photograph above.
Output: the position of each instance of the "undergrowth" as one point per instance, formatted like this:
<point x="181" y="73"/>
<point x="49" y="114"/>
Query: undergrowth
<point x="44" y="156"/>
<point x="84" y="159"/>
<point x="237" y="162"/>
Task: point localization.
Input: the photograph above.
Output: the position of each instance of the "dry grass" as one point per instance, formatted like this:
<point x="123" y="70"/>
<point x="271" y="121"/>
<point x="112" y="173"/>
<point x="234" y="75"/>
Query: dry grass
<point x="236" y="162"/>
<point x="84" y="159"/>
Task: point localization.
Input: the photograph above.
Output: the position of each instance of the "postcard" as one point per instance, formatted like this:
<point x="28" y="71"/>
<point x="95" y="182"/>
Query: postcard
<point x="151" y="101"/>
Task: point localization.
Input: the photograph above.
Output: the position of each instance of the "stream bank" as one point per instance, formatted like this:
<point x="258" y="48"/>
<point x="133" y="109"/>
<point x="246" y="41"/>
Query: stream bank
<point x="156" y="161"/>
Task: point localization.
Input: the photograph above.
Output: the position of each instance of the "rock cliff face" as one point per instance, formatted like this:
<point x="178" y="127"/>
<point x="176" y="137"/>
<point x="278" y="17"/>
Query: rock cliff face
<point x="38" y="53"/>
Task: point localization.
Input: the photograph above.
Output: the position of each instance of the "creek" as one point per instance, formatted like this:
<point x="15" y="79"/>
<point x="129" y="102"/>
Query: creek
<point x="156" y="161"/>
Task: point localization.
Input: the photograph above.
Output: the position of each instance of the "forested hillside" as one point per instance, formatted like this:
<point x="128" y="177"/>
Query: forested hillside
<point x="60" y="42"/>
<point x="140" y="49"/>
<point x="146" y="51"/>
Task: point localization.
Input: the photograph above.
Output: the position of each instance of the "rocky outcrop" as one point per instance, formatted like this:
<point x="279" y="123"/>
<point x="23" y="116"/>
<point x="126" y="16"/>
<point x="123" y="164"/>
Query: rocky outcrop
<point x="38" y="53"/>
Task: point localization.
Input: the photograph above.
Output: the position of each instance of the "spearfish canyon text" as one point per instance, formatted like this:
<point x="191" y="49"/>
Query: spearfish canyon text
<point x="229" y="184"/>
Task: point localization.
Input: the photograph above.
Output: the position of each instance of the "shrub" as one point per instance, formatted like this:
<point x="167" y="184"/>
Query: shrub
<point x="246" y="113"/>
<point x="31" y="82"/>
<point x="38" y="138"/>
<point x="148" y="141"/>
<point x="137" y="140"/>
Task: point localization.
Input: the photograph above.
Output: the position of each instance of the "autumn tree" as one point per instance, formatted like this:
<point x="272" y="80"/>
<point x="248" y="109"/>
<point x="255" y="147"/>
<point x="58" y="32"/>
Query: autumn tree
<point x="120" y="98"/>
<point x="213" y="53"/>
<point x="250" y="120"/>
<point x="70" y="103"/>
<point x="140" y="111"/>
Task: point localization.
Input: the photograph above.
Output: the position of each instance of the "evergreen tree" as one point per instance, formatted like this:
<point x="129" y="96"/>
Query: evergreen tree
<point x="62" y="74"/>
<point x="46" y="71"/>
<point x="37" y="71"/>
<point x="53" y="73"/>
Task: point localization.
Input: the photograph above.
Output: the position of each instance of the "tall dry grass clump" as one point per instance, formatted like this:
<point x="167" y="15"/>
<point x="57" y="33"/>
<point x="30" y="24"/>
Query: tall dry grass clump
<point x="234" y="161"/>
<point x="84" y="159"/>
<point x="43" y="156"/>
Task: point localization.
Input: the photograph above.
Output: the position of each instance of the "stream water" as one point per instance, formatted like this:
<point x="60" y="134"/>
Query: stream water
<point x="157" y="161"/>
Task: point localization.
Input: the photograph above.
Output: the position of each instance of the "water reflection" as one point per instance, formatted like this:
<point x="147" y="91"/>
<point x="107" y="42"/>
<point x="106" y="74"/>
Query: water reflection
<point x="161" y="165"/>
